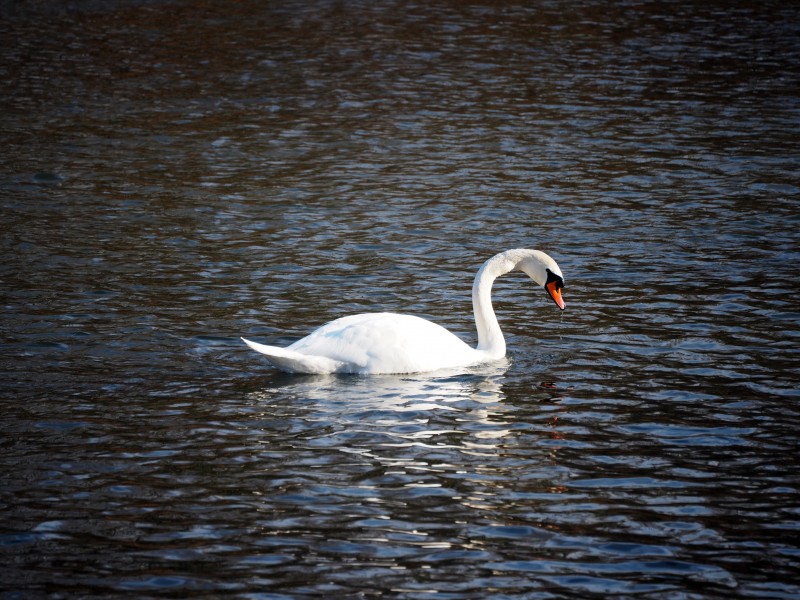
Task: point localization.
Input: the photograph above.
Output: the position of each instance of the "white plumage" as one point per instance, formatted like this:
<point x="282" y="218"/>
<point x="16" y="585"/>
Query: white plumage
<point x="394" y="343"/>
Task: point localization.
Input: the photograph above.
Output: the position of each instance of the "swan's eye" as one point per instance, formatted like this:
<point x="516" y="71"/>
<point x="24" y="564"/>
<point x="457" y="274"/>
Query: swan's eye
<point x="553" y="278"/>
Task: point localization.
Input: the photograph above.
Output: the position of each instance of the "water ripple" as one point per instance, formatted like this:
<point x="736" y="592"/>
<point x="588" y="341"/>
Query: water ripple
<point x="185" y="173"/>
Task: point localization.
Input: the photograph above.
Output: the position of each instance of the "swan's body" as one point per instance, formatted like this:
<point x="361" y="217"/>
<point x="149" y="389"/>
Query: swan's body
<point x="393" y="343"/>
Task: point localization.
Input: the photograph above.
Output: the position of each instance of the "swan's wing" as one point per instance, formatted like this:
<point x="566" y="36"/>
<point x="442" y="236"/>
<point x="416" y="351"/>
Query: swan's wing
<point x="386" y="343"/>
<point x="294" y="362"/>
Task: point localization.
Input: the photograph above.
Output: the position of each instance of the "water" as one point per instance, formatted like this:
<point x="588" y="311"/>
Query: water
<point x="178" y="174"/>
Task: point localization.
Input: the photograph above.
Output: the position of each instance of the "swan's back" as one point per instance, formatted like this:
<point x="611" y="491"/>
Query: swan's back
<point x="387" y="343"/>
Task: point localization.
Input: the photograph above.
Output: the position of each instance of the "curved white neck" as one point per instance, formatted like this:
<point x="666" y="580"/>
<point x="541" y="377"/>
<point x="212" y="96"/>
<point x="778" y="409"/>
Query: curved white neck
<point x="490" y="337"/>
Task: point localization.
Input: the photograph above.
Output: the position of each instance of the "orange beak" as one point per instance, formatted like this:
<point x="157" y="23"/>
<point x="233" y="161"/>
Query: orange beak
<point x="555" y="294"/>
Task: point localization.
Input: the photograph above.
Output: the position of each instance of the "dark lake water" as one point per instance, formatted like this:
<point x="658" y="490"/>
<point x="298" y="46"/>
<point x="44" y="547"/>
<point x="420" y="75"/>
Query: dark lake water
<point x="175" y="175"/>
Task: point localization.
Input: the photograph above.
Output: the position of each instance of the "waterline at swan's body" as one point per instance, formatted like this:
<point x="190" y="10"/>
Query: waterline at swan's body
<point x="394" y="343"/>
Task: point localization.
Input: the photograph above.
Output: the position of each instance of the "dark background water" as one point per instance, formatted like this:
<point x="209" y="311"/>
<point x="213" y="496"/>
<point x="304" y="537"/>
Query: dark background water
<point x="177" y="174"/>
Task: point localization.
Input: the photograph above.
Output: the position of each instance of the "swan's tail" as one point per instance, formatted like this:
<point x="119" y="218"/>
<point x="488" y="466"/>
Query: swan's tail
<point x="294" y="362"/>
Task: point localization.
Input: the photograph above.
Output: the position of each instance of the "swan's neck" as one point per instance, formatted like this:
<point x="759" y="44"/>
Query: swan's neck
<point x="490" y="337"/>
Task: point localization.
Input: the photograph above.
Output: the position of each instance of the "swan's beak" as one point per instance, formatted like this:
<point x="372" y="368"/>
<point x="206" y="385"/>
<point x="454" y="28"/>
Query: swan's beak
<point x="554" y="290"/>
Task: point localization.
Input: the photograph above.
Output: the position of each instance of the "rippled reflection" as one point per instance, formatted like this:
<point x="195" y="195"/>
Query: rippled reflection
<point x="403" y="412"/>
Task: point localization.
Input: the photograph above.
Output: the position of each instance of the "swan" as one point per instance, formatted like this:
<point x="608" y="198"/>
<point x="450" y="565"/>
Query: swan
<point x="394" y="343"/>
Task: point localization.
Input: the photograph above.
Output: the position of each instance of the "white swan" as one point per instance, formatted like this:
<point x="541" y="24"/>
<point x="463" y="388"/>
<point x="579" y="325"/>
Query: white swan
<point x="392" y="343"/>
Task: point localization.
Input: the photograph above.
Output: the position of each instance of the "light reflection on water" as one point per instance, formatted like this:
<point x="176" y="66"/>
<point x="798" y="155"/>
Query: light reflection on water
<point x="179" y="174"/>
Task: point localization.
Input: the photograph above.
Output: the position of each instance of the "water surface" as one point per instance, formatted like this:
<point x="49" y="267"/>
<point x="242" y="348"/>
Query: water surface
<point x="178" y="174"/>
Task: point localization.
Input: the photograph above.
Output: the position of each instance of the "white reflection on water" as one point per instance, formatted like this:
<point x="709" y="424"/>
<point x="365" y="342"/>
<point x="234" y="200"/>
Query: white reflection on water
<point x="446" y="424"/>
<point x="400" y="403"/>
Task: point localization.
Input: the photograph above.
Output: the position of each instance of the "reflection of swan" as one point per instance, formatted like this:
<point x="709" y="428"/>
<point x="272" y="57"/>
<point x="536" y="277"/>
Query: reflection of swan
<point x="468" y="389"/>
<point x="398" y="405"/>
<point x="392" y="420"/>
<point x="392" y="343"/>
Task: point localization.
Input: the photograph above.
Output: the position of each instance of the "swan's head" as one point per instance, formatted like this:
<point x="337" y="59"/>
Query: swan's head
<point x="544" y="271"/>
